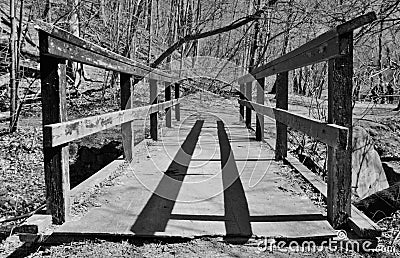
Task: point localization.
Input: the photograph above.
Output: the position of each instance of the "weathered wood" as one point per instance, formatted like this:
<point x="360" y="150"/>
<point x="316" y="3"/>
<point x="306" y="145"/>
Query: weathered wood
<point x="260" y="117"/>
<point x="127" y="129"/>
<point x="282" y="103"/>
<point x="330" y="134"/>
<point x="153" y="117"/>
<point x="359" y="222"/>
<point x="65" y="132"/>
<point x="56" y="166"/>
<point x="35" y="224"/>
<point x="168" y="122"/>
<point x="249" y="93"/>
<point x="62" y="44"/>
<point x="200" y="204"/>
<point x="322" y="48"/>
<point x="340" y="87"/>
<point x="177" y="107"/>
<point x="241" y="108"/>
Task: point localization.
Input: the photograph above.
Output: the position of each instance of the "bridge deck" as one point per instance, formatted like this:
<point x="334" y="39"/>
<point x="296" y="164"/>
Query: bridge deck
<point x="206" y="176"/>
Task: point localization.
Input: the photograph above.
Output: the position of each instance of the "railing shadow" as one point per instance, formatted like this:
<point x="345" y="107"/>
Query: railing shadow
<point x="156" y="214"/>
<point x="237" y="215"/>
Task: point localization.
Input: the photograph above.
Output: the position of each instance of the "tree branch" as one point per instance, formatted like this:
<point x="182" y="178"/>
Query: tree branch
<point x="234" y="25"/>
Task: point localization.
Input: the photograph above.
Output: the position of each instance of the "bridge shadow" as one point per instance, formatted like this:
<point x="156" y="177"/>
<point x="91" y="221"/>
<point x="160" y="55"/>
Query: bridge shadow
<point x="155" y="215"/>
<point x="237" y="215"/>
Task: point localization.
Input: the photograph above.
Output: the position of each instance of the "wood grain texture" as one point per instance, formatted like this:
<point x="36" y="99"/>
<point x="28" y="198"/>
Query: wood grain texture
<point x="362" y="225"/>
<point x="281" y="103"/>
<point x="127" y="129"/>
<point x="168" y="122"/>
<point x="56" y="163"/>
<point x="65" y="132"/>
<point x="340" y="112"/>
<point x="62" y="44"/>
<point x="260" y="117"/>
<point x="178" y="106"/>
<point x="153" y="117"/>
<point x="320" y="49"/>
<point x="249" y="93"/>
<point x="330" y="134"/>
<point x="241" y="107"/>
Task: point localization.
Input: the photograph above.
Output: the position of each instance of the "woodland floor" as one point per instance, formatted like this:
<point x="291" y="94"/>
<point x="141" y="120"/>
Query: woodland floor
<point x="22" y="177"/>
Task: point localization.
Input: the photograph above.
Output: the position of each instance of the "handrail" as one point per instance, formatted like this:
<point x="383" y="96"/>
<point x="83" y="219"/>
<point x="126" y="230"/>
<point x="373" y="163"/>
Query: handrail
<point x="59" y="43"/>
<point x="66" y="132"/>
<point x="336" y="47"/>
<point x="333" y="135"/>
<point x="56" y="46"/>
<point x="322" y="48"/>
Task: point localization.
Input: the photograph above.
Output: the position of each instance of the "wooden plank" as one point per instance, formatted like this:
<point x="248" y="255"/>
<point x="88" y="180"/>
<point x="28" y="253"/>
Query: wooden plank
<point x="65" y="132"/>
<point x="241" y="107"/>
<point x="340" y="112"/>
<point x="281" y="103"/>
<point x="198" y="208"/>
<point x="333" y="135"/>
<point x="356" y="23"/>
<point x="61" y="43"/>
<point x="168" y="122"/>
<point x="56" y="163"/>
<point x="322" y="48"/>
<point x="260" y="117"/>
<point x="153" y="117"/>
<point x="127" y="129"/>
<point x="359" y="222"/>
<point x="35" y="224"/>
<point x="178" y="106"/>
<point x="249" y="92"/>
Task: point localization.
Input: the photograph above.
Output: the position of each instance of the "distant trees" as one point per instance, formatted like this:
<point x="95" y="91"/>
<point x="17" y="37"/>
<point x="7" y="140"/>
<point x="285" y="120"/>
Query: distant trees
<point x="247" y="32"/>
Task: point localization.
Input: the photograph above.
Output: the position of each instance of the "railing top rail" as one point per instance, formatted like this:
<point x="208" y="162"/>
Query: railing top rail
<point x="322" y="48"/>
<point x="60" y="43"/>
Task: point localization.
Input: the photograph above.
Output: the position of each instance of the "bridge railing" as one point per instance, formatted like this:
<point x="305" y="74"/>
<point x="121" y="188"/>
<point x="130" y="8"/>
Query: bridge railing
<point x="336" y="47"/>
<point x="57" y="46"/>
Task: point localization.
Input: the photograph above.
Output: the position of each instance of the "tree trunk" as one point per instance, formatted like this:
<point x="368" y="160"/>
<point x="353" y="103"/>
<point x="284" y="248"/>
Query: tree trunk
<point x="149" y="27"/>
<point x="13" y="69"/>
<point x="76" y="68"/>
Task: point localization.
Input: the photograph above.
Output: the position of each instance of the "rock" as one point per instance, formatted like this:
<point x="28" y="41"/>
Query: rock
<point x="368" y="176"/>
<point x="392" y="175"/>
<point x="381" y="204"/>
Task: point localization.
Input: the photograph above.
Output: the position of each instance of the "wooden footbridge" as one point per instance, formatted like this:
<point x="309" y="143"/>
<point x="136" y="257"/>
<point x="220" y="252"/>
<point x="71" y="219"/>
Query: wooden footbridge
<point x="205" y="173"/>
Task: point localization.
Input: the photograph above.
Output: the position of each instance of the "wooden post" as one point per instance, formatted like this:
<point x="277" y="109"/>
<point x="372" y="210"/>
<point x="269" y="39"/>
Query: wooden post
<point x="177" y="107"/>
<point x="249" y="89"/>
<point x="168" y="110"/>
<point x="259" y="117"/>
<point x="56" y="166"/>
<point x="340" y="86"/>
<point x="281" y="102"/>
<point x="127" y="129"/>
<point x="154" y="116"/>
<point x="241" y="108"/>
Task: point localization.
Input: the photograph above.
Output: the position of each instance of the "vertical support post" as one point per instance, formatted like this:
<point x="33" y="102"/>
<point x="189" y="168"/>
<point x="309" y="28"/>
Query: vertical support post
<point x="168" y="110"/>
<point x="340" y="86"/>
<point x="259" y="117"/>
<point x="56" y="166"/>
<point x="154" y="116"/>
<point x="281" y="102"/>
<point x="241" y="108"/>
<point x="249" y="92"/>
<point x="127" y="129"/>
<point x="178" y="106"/>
